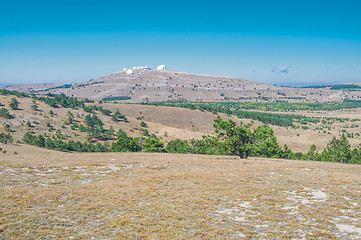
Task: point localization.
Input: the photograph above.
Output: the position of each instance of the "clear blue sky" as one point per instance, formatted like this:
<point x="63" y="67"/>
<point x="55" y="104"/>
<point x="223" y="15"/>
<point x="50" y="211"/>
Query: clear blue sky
<point x="280" y="42"/>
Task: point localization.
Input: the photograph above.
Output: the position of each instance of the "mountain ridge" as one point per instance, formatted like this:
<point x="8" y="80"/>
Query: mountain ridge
<point x="144" y="85"/>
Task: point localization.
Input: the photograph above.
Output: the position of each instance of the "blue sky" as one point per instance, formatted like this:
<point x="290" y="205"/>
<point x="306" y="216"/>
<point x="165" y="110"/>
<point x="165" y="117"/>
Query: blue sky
<point x="279" y="42"/>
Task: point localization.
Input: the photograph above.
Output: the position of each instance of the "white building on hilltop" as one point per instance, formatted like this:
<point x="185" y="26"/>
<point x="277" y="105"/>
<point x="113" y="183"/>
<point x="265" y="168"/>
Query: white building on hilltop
<point x="130" y="71"/>
<point x="161" y="67"/>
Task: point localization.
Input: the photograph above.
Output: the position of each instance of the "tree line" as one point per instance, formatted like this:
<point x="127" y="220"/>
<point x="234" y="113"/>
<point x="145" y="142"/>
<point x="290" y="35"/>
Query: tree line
<point x="230" y="108"/>
<point x="277" y="105"/>
<point x="124" y="143"/>
<point x="228" y="139"/>
<point x="241" y="141"/>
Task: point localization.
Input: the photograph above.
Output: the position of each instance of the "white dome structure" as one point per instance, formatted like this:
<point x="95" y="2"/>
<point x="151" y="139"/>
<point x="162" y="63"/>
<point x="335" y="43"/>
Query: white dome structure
<point x="161" y="67"/>
<point x="146" y="68"/>
<point x="124" y="69"/>
<point x="130" y="71"/>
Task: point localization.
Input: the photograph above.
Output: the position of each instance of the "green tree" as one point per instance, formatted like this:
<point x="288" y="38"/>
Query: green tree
<point x="106" y="111"/>
<point x="125" y="143"/>
<point x="34" y="107"/>
<point x="110" y="133"/>
<point x="82" y="128"/>
<point x="114" y="118"/>
<point x="7" y="127"/>
<point x="73" y="126"/>
<point x="143" y="124"/>
<point x="96" y="132"/>
<point x="312" y="154"/>
<point x="337" y="150"/>
<point x="92" y="120"/>
<point x="145" y="132"/>
<point x="356" y="155"/>
<point x="4" y="113"/>
<point x="264" y="143"/>
<point x="178" y="146"/>
<point x="70" y="118"/>
<point x="14" y="104"/>
<point x="5" y="138"/>
<point x="237" y="139"/>
<point x="286" y="152"/>
<point x="153" y="145"/>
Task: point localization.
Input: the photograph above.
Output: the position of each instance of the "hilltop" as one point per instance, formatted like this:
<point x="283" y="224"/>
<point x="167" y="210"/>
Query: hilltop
<point x="145" y="85"/>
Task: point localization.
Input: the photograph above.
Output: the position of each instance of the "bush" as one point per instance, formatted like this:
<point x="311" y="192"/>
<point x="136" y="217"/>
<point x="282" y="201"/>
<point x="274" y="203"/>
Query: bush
<point x="6" y="138"/>
<point x="143" y="124"/>
<point x="145" y="132"/>
<point x="34" y="107"/>
<point x="4" y="113"/>
<point x="7" y="128"/>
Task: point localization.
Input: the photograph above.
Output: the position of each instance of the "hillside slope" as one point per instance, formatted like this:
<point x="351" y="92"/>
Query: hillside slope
<point x="47" y="194"/>
<point x="168" y="123"/>
<point x="167" y="85"/>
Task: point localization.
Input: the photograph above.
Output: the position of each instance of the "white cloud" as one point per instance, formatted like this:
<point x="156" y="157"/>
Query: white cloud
<point x="283" y="69"/>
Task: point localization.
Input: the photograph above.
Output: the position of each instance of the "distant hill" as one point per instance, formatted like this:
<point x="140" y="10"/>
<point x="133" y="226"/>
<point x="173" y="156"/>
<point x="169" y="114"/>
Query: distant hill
<point x="168" y="85"/>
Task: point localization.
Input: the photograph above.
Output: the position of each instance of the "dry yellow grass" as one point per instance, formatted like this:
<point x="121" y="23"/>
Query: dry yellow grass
<point x="47" y="194"/>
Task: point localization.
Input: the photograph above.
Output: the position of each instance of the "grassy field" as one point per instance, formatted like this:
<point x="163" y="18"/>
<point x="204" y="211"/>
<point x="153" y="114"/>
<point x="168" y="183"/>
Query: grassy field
<point x="47" y="194"/>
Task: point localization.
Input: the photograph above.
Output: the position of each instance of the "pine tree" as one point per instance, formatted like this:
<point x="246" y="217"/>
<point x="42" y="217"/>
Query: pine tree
<point x="14" y="104"/>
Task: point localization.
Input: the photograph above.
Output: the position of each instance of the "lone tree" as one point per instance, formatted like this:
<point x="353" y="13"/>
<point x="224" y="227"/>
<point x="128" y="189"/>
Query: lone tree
<point x="14" y="104"/>
<point x="34" y="107"/>
<point x="143" y="124"/>
<point x="7" y="127"/>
